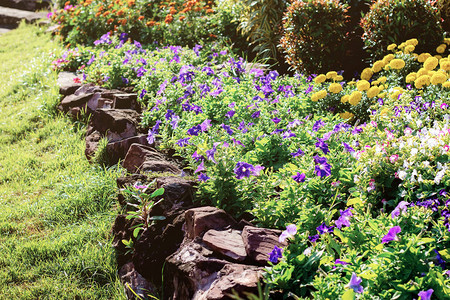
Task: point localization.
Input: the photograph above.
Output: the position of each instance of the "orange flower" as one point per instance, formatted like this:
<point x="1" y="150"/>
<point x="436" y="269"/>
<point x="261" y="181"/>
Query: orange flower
<point x="120" y="12"/>
<point x="172" y="10"/>
<point x="169" y="19"/>
<point x="151" y="23"/>
<point x="109" y="21"/>
<point x="209" y="11"/>
<point x="213" y="35"/>
<point x="123" y="21"/>
<point x="110" y="6"/>
<point x="141" y="18"/>
<point x="158" y="23"/>
<point x="182" y="18"/>
<point x="131" y="2"/>
<point x="106" y="13"/>
<point x="67" y="3"/>
<point x="98" y="14"/>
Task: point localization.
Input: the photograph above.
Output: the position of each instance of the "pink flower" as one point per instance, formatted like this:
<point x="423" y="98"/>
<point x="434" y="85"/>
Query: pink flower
<point x="393" y="158"/>
<point x="446" y="148"/>
<point x="408" y="131"/>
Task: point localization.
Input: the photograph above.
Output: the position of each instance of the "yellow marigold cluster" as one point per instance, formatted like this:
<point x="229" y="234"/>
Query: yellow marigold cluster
<point x="397" y="63"/>
<point x="346" y="115"/>
<point x="445" y="65"/>
<point x="367" y="74"/>
<point x="377" y="66"/>
<point x="413" y="42"/>
<point x="423" y="57"/>
<point x="391" y="47"/>
<point x="320" y="78"/>
<point x="410" y="77"/>
<point x="318" y="95"/>
<point x="373" y="92"/>
<point x="331" y="74"/>
<point x="335" y="88"/>
<point x="422" y="81"/>
<point x="408" y="49"/>
<point x="388" y="58"/>
<point x="344" y="99"/>
<point x="438" y="78"/>
<point x="355" y="97"/>
<point x="362" y="85"/>
<point x="431" y="63"/>
<point x="446" y="84"/>
<point x="441" y="48"/>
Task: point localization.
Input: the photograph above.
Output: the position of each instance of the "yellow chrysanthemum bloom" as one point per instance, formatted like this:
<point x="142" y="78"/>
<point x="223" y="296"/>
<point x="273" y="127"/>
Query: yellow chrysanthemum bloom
<point x="355" y="97"/>
<point x="423" y="57"/>
<point x="431" y="63"/>
<point x="397" y="63"/>
<point x="413" y="42"/>
<point x="384" y="111"/>
<point x="422" y="71"/>
<point x="362" y="85"/>
<point x="446" y="84"/>
<point x="391" y="47"/>
<point x="410" y="77"/>
<point x="318" y="95"/>
<point x="438" y="78"/>
<point x="366" y="74"/>
<point x="350" y="83"/>
<point x="402" y="45"/>
<point x="445" y="65"/>
<point x="382" y="95"/>
<point x="335" y="88"/>
<point x="388" y="58"/>
<point x="345" y="98"/>
<point x="331" y="74"/>
<point x="409" y="49"/>
<point x="394" y="94"/>
<point x="320" y="78"/>
<point x="382" y="79"/>
<point x="346" y="115"/>
<point x="447" y="41"/>
<point x="441" y="48"/>
<point x="377" y="66"/>
<point x="375" y="82"/>
<point x="373" y="91"/>
<point x="422" y="81"/>
<point x="338" y="78"/>
<point x="438" y="56"/>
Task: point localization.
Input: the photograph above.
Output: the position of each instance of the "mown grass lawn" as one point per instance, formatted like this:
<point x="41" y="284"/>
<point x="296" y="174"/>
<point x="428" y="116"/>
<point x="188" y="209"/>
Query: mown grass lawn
<point x="56" y="210"/>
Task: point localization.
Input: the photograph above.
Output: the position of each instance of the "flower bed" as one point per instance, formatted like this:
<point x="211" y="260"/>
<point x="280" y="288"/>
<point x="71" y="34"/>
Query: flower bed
<point x="358" y="171"/>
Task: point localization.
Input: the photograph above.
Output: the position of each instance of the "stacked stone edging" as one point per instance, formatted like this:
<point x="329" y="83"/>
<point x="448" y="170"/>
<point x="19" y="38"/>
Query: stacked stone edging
<point x="201" y="252"/>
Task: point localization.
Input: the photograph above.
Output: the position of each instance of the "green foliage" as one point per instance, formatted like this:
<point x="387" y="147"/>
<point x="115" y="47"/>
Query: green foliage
<point x="444" y="10"/>
<point x="314" y="34"/>
<point x="261" y="24"/>
<point x="394" y="21"/>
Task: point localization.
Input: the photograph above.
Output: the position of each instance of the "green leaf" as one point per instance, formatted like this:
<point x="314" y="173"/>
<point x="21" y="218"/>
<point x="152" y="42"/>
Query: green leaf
<point x="349" y="295"/>
<point x="157" y="193"/>
<point x="136" y="231"/>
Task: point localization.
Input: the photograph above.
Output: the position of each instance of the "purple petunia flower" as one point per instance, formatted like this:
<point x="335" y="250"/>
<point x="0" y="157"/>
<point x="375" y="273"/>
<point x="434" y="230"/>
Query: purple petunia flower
<point x="319" y="124"/>
<point x="322" y="146"/>
<point x="426" y="295"/>
<point x="276" y="120"/>
<point x="194" y="130"/>
<point x="275" y="255"/>
<point x="402" y="206"/>
<point x="197" y="156"/>
<point x="323" y="228"/>
<point x="309" y="89"/>
<point x="299" y="177"/>
<point x="200" y="167"/>
<point x="322" y="168"/>
<point x="290" y="231"/>
<point x="196" y="49"/>
<point x="203" y="177"/>
<point x="344" y="219"/>
<point x="230" y="114"/>
<point x="183" y="142"/>
<point x="210" y="154"/>
<point x="244" y="169"/>
<point x="143" y="92"/>
<point x="341" y="262"/>
<point x="228" y="129"/>
<point x="256" y="114"/>
<point x="205" y="125"/>
<point x="391" y="235"/>
<point x="298" y="153"/>
<point x="313" y="238"/>
<point x="355" y="284"/>
<point x="348" y="148"/>
<point x="153" y="132"/>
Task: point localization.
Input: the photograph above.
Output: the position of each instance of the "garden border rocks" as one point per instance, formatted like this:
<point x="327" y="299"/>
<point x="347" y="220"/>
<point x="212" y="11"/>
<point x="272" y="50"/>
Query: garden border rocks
<point x="202" y="252"/>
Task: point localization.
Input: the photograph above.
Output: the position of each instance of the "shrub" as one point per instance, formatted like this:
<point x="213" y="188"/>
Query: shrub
<point x="314" y="35"/>
<point x="444" y="9"/>
<point x="394" y="21"/>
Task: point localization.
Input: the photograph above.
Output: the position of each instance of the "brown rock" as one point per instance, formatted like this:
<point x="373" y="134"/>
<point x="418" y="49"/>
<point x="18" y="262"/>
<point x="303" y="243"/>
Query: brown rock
<point x="178" y="194"/>
<point x="126" y="101"/>
<point x="117" y="150"/>
<point x="202" y="219"/>
<point x="161" y="166"/>
<point x="259" y="242"/>
<point x="227" y="242"/>
<point x="66" y="83"/>
<point x="116" y="124"/>
<point x="235" y="279"/>
<point x="135" y="283"/>
<point x="137" y="154"/>
<point x="73" y="100"/>
<point x="92" y="141"/>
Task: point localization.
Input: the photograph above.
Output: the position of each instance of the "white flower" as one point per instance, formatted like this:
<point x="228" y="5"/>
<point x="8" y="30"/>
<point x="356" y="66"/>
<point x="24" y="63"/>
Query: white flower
<point x="414" y="151"/>
<point x="402" y="174"/>
<point x="439" y="176"/>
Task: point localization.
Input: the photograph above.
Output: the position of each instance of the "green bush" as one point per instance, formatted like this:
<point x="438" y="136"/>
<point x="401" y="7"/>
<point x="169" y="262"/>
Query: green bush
<point x="394" y="21"/>
<point x="314" y="35"/>
<point x="444" y="9"/>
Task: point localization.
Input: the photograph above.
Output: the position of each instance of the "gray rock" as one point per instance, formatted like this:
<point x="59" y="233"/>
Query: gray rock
<point x="259" y="242"/>
<point x="201" y="219"/>
<point x="227" y="242"/>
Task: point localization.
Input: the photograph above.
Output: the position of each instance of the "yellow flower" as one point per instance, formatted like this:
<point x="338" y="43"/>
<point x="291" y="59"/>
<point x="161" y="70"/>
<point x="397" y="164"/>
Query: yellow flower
<point x="438" y="56"/>
<point x="401" y="46"/>
<point x="319" y="95"/>
<point x="391" y="47"/>
<point x="441" y="48"/>
<point x="388" y="58"/>
<point x="446" y="84"/>
<point x="409" y="49"/>
<point x="345" y="98"/>
<point x="384" y="111"/>
<point x="346" y="115"/>
<point x="413" y="42"/>
<point x="373" y="91"/>
<point x="377" y="66"/>
<point x="422" y="71"/>
<point x="338" y="78"/>
<point x="366" y="74"/>
<point x="382" y="95"/>
<point x="397" y="63"/>
<point x="447" y="41"/>
<point x="355" y="97"/>
<point x="396" y="91"/>
<point x="331" y="74"/>
<point x="320" y="78"/>
<point x="335" y="88"/>
<point x="445" y="65"/>
<point x="375" y="82"/>
<point x="431" y="63"/>
<point x="362" y="85"/>
<point x="438" y="77"/>
<point x="423" y="57"/>
<point x="410" y="77"/>
<point x="382" y="79"/>
<point x="350" y="83"/>
<point x="422" y="81"/>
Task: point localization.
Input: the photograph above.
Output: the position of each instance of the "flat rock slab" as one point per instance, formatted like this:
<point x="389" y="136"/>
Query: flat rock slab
<point x="30" y="5"/>
<point x="67" y="84"/>
<point x="14" y="16"/>
<point x="227" y="242"/>
<point x="135" y="283"/>
<point x="201" y="219"/>
<point x="259" y="242"/>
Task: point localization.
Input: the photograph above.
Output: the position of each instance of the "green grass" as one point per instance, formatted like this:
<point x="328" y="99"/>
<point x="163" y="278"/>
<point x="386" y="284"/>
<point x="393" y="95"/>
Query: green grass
<point x="56" y="210"/>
